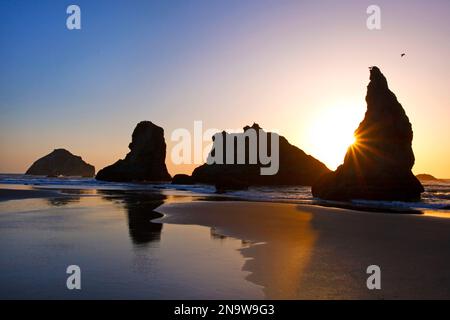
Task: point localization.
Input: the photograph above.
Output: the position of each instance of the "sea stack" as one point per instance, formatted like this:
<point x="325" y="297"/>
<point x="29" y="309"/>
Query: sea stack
<point x="61" y="162"/>
<point x="378" y="165"/>
<point x="146" y="159"/>
<point x="295" y="166"/>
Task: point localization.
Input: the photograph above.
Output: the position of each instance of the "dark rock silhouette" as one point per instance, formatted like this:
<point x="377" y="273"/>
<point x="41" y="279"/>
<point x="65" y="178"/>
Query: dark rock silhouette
<point x="295" y="167"/>
<point x="378" y="166"/>
<point x="61" y="162"/>
<point x="146" y="159"/>
<point x="426" y="177"/>
<point x="182" y="179"/>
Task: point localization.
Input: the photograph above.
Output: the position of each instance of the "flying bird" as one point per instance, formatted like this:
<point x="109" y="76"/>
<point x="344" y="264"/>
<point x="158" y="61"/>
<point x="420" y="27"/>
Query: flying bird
<point x="402" y="55"/>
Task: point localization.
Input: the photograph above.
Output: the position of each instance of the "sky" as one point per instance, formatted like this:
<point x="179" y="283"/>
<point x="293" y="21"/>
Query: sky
<point x="297" y="67"/>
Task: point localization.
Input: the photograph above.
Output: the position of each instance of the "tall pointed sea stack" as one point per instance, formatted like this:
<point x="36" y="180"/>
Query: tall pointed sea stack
<point x="146" y="159"/>
<point x="378" y="165"/>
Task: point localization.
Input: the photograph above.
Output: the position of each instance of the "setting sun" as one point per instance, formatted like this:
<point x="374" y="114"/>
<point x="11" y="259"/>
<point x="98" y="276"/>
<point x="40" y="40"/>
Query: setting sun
<point x="231" y="154"/>
<point x="332" y="132"/>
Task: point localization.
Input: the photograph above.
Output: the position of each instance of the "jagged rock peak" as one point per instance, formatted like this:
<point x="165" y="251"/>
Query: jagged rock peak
<point x="378" y="165"/>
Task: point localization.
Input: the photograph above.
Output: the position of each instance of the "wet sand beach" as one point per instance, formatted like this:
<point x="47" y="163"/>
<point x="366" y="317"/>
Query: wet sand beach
<point x="17" y="194"/>
<point x="310" y="252"/>
<point x="121" y="253"/>
<point x="132" y="244"/>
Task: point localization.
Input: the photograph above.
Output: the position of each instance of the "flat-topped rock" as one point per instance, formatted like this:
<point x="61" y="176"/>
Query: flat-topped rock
<point x="295" y="167"/>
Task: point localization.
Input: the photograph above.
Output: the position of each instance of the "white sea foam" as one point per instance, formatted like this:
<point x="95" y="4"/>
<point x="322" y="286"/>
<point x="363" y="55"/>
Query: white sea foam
<point x="435" y="197"/>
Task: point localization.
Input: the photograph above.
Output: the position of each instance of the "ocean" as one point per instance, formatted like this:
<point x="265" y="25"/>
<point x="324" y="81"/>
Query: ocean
<point x="435" y="198"/>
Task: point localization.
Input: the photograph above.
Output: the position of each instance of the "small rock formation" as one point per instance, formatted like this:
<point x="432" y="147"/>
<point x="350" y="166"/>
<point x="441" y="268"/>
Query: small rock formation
<point x="295" y="167"/>
<point x="182" y="179"/>
<point x="426" y="177"/>
<point x="61" y="162"/>
<point x="146" y="159"/>
<point x="378" y="165"/>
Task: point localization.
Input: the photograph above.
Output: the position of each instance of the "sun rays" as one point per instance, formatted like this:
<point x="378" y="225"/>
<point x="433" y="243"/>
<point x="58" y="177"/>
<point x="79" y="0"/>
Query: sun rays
<point x="333" y="133"/>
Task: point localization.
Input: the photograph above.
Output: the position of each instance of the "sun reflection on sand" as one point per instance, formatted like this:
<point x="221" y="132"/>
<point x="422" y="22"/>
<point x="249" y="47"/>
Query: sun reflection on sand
<point x="280" y="262"/>
<point x="282" y="243"/>
<point x="437" y="214"/>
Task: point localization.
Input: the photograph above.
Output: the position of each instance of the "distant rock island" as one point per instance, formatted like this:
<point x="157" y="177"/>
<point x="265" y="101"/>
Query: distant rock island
<point x="378" y="166"/>
<point x="146" y="159"/>
<point x="426" y="177"/>
<point x="182" y="178"/>
<point x="295" y="168"/>
<point x="61" y="162"/>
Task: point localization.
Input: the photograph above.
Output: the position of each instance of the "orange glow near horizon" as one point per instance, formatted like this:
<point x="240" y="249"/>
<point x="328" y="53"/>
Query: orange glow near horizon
<point x="332" y="133"/>
<point x="296" y="68"/>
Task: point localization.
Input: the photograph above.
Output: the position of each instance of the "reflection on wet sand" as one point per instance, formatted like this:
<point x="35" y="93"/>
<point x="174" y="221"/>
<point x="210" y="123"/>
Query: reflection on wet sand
<point x="279" y="263"/>
<point x="282" y="242"/>
<point x="310" y="252"/>
<point x="110" y="235"/>
<point x="140" y="211"/>
<point x="139" y="206"/>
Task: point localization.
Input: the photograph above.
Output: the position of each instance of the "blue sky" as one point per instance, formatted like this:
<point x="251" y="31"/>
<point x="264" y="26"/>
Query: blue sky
<point x="228" y="63"/>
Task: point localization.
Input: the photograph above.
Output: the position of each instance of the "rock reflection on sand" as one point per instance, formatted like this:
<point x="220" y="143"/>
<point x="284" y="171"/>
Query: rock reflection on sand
<point x="123" y="254"/>
<point x="140" y="212"/>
